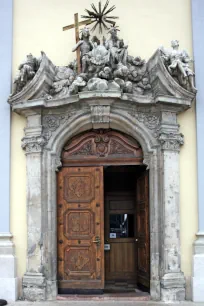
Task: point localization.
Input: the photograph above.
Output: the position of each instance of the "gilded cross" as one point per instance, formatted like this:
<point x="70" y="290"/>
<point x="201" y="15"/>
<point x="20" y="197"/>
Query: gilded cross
<point x="76" y="26"/>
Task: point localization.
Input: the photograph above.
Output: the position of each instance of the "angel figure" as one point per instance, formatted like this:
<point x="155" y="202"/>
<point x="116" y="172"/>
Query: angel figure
<point x="85" y="47"/>
<point x="177" y="62"/>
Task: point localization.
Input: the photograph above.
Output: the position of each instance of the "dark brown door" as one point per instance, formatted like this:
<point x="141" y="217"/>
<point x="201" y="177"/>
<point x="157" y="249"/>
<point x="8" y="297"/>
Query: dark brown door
<point x="143" y="245"/>
<point x="120" y="261"/>
<point x="80" y="228"/>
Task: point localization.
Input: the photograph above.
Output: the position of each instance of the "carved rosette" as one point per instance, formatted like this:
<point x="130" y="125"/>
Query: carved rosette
<point x="33" y="144"/>
<point x="171" y="141"/>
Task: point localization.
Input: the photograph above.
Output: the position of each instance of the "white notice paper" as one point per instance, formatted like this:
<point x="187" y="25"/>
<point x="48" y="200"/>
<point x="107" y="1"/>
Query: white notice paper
<point x="112" y="235"/>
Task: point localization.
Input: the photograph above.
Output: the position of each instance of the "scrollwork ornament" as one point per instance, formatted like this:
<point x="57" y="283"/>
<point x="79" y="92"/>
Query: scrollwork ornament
<point x="51" y="122"/>
<point x="171" y="141"/>
<point x="146" y="161"/>
<point x="57" y="163"/>
<point x="150" y="120"/>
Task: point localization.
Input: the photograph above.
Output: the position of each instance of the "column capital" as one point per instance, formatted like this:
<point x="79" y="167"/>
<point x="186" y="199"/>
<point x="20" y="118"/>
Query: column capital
<point x="170" y="141"/>
<point x="33" y="144"/>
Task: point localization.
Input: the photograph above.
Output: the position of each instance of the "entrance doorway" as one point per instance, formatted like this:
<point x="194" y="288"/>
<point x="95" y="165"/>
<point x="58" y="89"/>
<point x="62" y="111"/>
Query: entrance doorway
<point x="103" y="215"/>
<point x="126" y="228"/>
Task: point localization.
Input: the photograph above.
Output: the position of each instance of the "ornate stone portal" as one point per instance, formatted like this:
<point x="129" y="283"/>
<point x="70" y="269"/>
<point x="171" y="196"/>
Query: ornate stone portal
<point x="115" y="91"/>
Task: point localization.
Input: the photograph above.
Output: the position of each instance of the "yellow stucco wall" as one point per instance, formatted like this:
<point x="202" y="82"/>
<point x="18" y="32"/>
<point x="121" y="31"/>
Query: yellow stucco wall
<point x="145" y="25"/>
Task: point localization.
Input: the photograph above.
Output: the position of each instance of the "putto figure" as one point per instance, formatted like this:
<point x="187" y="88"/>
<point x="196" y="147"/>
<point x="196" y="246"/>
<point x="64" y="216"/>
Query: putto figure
<point x="85" y="47"/>
<point x="27" y="70"/>
<point x="177" y="63"/>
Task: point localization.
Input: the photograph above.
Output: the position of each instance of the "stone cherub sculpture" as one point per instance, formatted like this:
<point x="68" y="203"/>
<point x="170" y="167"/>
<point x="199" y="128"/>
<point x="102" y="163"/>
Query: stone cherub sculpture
<point x="106" y="66"/>
<point x="177" y="63"/>
<point x="27" y="71"/>
<point x="85" y="47"/>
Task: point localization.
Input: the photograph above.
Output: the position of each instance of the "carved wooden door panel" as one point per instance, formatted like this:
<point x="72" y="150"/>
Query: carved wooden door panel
<point x="80" y="229"/>
<point x="143" y="244"/>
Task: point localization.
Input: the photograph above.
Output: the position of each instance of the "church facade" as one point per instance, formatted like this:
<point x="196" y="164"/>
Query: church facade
<point x="105" y="179"/>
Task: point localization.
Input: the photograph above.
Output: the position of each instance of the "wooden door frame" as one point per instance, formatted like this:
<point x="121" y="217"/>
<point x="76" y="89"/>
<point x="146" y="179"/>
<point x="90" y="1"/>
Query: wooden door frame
<point x="127" y="195"/>
<point x="112" y="162"/>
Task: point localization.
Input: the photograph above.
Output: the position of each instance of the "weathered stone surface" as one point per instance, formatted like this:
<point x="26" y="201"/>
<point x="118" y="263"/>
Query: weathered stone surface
<point x="34" y="287"/>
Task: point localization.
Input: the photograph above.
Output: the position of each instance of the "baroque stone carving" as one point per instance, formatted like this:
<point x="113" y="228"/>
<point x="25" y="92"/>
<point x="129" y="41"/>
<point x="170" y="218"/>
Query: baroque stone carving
<point x="27" y="70"/>
<point x="57" y="163"/>
<point x="150" y="119"/>
<point x="171" y="141"/>
<point x="148" y="92"/>
<point x="177" y="63"/>
<point x="33" y="144"/>
<point x="52" y="121"/>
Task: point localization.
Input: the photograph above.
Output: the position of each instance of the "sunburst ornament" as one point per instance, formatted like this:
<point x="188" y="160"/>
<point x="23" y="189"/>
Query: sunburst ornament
<point x="100" y="17"/>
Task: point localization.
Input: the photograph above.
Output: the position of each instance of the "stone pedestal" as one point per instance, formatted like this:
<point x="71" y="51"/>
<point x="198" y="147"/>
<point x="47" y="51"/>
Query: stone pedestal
<point x="198" y="269"/>
<point x="8" y="279"/>
<point x="34" y="287"/>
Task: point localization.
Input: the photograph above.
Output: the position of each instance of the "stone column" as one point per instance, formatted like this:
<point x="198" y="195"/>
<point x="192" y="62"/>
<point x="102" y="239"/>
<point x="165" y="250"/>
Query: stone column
<point x="8" y="280"/>
<point x="173" y="281"/>
<point x="34" y="287"/>
<point x="198" y="48"/>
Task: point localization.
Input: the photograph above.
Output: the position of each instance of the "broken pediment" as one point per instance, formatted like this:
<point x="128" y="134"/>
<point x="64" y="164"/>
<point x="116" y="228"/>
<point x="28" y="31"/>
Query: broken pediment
<point x="106" y="70"/>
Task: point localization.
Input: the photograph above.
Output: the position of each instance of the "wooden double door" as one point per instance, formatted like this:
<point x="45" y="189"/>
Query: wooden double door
<point x="82" y="262"/>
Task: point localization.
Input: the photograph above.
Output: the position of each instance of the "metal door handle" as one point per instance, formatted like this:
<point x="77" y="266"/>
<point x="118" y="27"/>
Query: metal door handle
<point x="97" y="241"/>
<point x="136" y="240"/>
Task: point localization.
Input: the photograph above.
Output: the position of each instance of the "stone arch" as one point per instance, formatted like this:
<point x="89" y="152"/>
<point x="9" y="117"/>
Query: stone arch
<point x="118" y="121"/>
<point x="160" y="143"/>
<point x="51" y="160"/>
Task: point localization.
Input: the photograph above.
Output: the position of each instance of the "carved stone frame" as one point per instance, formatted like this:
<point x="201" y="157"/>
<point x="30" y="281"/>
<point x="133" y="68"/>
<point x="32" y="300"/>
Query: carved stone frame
<point x="160" y="153"/>
<point x="152" y="121"/>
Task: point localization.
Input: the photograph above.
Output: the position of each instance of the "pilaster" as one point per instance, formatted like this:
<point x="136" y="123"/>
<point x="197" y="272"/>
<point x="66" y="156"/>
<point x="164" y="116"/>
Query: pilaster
<point x="198" y="48"/>
<point x="172" y="281"/>
<point x="34" y="285"/>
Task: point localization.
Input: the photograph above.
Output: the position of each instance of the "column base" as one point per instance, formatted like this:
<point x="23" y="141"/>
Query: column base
<point x="173" y="295"/>
<point x="173" y="287"/>
<point x="155" y="290"/>
<point x="34" y="287"/>
<point x="8" y="279"/>
<point x="198" y="269"/>
<point x="52" y="290"/>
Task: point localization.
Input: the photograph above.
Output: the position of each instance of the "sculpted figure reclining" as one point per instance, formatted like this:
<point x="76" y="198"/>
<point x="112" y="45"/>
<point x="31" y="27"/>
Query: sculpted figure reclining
<point x="27" y="71"/>
<point x="177" y="63"/>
